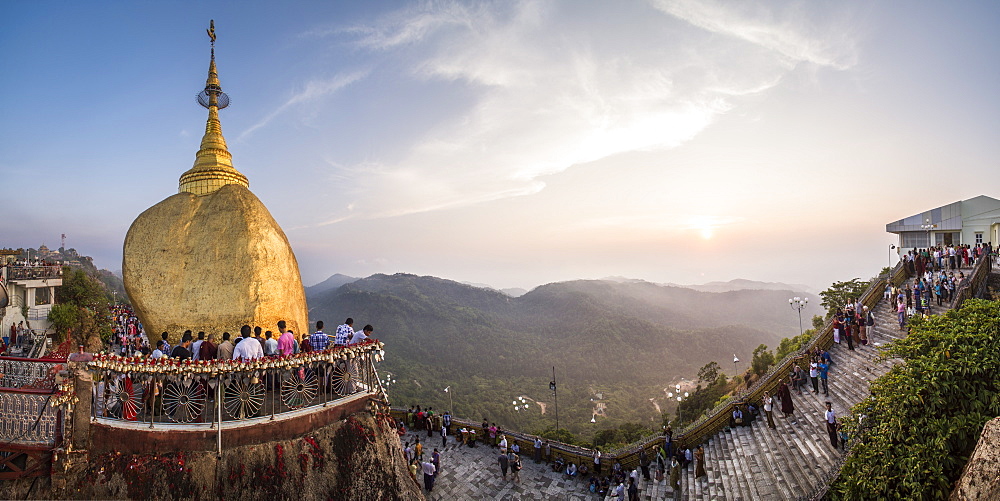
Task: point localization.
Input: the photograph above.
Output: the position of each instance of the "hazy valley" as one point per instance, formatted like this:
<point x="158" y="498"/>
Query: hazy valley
<point x="620" y="340"/>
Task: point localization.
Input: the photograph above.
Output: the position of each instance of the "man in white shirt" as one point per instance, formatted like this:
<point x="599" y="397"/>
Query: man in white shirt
<point x="158" y="352"/>
<point x="429" y="472"/>
<point x="363" y="335"/>
<point x="248" y="349"/>
<point x="831" y="425"/>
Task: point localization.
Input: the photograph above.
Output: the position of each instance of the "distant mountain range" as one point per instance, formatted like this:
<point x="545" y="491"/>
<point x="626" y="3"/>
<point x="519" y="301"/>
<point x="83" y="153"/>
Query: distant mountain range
<point x="334" y="282"/>
<point x="737" y="284"/>
<point x="625" y="339"/>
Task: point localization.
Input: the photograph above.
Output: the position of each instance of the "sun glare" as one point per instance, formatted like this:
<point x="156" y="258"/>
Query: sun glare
<point x="706" y="232"/>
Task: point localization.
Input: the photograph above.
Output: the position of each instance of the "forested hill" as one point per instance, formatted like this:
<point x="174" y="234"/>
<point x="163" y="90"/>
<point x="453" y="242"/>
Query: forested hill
<point x="601" y="335"/>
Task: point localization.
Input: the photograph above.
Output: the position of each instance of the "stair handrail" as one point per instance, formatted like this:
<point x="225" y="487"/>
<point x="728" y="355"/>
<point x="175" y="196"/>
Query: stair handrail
<point x="975" y="283"/>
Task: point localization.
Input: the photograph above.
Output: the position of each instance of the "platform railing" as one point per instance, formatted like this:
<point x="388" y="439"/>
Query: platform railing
<point x="167" y="392"/>
<point x="33" y="272"/>
<point x="975" y="283"/>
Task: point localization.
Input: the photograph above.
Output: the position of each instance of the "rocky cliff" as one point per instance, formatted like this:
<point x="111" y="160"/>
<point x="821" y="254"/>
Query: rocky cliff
<point x="354" y="458"/>
<point x="981" y="477"/>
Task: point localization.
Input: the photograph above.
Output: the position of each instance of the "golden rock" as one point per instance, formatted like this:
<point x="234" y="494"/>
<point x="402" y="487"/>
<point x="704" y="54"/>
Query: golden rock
<point x="212" y="258"/>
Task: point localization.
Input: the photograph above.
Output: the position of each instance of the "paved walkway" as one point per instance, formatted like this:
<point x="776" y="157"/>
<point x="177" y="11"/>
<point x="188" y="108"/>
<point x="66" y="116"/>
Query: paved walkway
<point x="474" y="474"/>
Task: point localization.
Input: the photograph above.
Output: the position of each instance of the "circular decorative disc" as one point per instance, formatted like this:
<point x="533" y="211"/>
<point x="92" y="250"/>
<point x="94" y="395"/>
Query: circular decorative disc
<point x="183" y="403"/>
<point x="299" y="388"/>
<point x="243" y="398"/>
<point x="344" y="377"/>
<point x="123" y="398"/>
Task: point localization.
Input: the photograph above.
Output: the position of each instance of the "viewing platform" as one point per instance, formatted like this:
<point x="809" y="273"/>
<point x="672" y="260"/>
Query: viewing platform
<point x="165" y="404"/>
<point x="25" y="274"/>
<point x="107" y="403"/>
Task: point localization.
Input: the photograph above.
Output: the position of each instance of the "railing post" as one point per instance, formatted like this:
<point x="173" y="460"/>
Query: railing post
<point x="218" y="413"/>
<point x="83" y="386"/>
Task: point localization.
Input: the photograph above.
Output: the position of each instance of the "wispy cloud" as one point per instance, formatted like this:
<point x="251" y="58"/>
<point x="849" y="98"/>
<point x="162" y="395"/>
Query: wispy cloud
<point x="555" y="86"/>
<point x="796" y="30"/>
<point x="313" y="89"/>
<point x="413" y="24"/>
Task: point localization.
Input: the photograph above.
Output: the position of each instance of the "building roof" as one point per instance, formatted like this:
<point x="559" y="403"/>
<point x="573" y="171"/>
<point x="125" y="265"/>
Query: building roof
<point x="949" y="217"/>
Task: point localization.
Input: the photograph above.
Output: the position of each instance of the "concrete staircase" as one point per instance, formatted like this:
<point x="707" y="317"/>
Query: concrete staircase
<point x="755" y="462"/>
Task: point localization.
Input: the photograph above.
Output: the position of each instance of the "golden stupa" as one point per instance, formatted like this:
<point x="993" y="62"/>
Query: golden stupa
<point x="211" y="258"/>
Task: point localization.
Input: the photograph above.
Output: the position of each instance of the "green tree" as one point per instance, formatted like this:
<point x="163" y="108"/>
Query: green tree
<point x="91" y="322"/>
<point x="708" y="373"/>
<point x="64" y="316"/>
<point x="606" y="436"/>
<point x="818" y="322"/>
<point x="923" y="418"/>
<point x="562" y="435"/>
<point x="841" y="293"/>
<point x="630" y="432"/>
<point x="793" y="344"/>
<point x="762" y="359"/>
<point x="703" y="399"/>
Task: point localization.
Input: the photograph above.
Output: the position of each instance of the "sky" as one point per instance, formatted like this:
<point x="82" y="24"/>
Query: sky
<point x="512" y="143"/>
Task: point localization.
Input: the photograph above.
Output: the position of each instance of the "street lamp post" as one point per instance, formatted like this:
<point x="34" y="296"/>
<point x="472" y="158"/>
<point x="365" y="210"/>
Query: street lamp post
<point x="891" y="248"/>
<point x="679" y="397"/>
<point x="555" y="395"/>
<point x="797" y="303"/>
<point x="451" y="399"/>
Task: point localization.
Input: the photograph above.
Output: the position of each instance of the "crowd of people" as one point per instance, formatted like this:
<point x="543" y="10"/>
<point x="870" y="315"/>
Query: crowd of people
<point x="917" y="297"/>
<point x="951" y="257"/>
<point x="129" y="337"/>
<point x="255" y="342"/>
<point x="419" y="420"/>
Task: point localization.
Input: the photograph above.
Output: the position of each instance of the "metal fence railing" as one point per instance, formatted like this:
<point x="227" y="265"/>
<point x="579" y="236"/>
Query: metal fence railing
<point x="33" y="272"/>
<point x="166" y="392"/>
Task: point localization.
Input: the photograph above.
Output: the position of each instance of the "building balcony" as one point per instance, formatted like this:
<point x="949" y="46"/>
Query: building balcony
<point x="31" y="273"/>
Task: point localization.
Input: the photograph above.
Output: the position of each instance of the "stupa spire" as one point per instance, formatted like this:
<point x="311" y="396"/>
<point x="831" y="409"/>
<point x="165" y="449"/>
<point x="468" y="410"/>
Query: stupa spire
<point x="213" y="165"/>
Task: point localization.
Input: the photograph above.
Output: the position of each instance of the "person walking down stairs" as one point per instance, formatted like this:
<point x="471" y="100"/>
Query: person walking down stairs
<point x="699" y="462"/>
<point x="831" y="425"/>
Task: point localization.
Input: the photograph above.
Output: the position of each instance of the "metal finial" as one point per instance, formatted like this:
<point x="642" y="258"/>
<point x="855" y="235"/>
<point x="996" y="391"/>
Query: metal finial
<point x="211" y="31"/>
<point x="212" y="95"/>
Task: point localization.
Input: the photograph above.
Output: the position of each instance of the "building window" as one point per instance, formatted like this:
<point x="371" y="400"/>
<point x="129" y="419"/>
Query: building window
<point x="943" y="238"/>
<point x="913" y="240"/>
<point x="979" y="237"/>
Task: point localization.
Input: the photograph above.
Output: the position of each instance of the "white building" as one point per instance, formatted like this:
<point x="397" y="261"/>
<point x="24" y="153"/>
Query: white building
<point x="967" y="222"/>
<point x="31" y="292"/>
